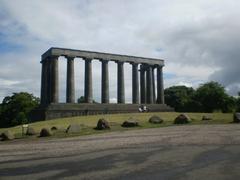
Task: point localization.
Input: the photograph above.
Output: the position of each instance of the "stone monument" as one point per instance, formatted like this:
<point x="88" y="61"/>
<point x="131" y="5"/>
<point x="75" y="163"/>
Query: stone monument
<point x="143" y="93"/>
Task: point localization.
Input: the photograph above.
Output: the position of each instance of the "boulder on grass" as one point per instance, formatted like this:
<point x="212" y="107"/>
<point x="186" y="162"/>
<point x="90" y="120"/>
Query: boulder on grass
<point x="155" y="120"/>
<point x="236" y="117"/>
<point x="182" y="119"/>
<point x="54" y="128"/>
<point x="74" y="128"/>
<point x="206" y="118"/>
<point x="7" y="135"/>
<point x="130" y="123"/>
<point x="31" y="131"/>
<point x="45" y="132"/>
<point x="102" y="124"/>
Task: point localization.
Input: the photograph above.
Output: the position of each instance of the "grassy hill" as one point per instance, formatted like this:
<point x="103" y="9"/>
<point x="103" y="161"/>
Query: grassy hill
<point x="89" y="122"/>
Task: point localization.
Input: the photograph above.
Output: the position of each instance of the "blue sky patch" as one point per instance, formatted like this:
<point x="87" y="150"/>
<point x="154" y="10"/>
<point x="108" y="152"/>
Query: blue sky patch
<point x="169" y="75"/>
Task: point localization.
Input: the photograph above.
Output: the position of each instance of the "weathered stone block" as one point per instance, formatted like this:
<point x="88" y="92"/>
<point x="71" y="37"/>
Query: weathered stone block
<point x="45" y="132"/>
<point x="74" y="128"/>
<point x="7" y="135"/>
<point x="31" y="131"/>
<point x="206" y="118"/>
<point x="236" y="117"/>
<point x="130" y="123"/>
<point x="182" y="119"/>
<point x="155" y="120"/>
<point x="102" y="124"/>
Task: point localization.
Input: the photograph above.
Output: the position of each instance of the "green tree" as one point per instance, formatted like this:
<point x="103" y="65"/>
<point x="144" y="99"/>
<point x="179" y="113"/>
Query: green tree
<point x="15" y="109"/>
<point x="212" y="96"/>
<point x="238" y="103"/>
<point x="82" y="100"/>
<point x="179" y="97"/>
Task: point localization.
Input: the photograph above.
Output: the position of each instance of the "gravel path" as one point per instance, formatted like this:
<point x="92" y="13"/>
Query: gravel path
<point x="177" y="152"/>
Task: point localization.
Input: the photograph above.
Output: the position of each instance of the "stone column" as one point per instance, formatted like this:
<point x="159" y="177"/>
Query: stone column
<point x="70" y="91"/>
<point x="160" y="88"/>
<point x="88" y="81"/>
<point x="135" y="84"/>
<point x="44" y="84"/>
<point x="149" y="85"/>
<point x="120" y="89"/>
<point x="54" y="80"/>
<point x="143" y="84"/>
<point x="105" y="82"/>
<point x="49" y="81"/>
<point x="153" y="80"/>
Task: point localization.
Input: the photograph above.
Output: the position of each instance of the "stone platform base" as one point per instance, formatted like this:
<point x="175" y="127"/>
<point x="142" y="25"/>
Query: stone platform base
<point x="59" y="110"/>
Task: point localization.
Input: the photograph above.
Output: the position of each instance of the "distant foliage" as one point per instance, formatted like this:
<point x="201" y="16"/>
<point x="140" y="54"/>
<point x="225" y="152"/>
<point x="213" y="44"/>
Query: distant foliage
<point x="15" y="109"/>
<point x="238" y="103"/>
<point x="209" y="97"/>
<point x="179" y="97"/>
<point x="82" y="100"/>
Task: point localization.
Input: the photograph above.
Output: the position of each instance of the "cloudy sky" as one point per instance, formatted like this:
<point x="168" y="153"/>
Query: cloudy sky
<point x="199" y="40"/>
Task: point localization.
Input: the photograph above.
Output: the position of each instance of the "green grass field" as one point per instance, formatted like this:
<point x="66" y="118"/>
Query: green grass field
<point x="115" y="120"/>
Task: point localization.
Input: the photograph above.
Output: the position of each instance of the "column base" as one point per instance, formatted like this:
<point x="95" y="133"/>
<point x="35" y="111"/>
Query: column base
<point x="62" y="110"/>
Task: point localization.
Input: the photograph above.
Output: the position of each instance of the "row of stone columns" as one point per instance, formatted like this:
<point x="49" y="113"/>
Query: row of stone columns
<point x="50" y="82"/>
<point x="147" y="85"/>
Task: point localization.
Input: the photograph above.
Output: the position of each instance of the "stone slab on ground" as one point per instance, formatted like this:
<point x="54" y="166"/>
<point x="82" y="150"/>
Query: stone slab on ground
<point x="74" y="128"/>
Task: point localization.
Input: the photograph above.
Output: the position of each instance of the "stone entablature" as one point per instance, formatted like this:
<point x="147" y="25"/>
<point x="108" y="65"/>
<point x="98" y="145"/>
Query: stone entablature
<point x="101" y="56"/>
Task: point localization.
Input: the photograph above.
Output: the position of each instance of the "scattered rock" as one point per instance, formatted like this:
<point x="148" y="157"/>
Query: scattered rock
<point x="45" y="132"/>
<point x="102" y="124"/>
<point x="206" y="118"/>
<point x="74" y="128"/>
<point x="236" y="117"/>
<point x="155" y="120"/>
<point x="130" y="123"/>
<point x="31" y="131"/>
<point x="7" y="135"/>
<point x="182" y="119"/>
<point x="54" y="128"/>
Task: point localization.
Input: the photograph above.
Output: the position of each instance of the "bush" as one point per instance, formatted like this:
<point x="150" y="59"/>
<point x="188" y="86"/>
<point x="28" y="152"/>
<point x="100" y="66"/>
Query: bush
<point x="209" y="97"/>
<point x="15" y="109"/>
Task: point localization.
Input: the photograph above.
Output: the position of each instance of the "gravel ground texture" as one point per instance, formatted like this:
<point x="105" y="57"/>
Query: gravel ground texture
<point x="177" y="152"/>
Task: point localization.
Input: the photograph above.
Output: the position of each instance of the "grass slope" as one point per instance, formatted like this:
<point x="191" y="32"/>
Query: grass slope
<point x="89" y="122"/>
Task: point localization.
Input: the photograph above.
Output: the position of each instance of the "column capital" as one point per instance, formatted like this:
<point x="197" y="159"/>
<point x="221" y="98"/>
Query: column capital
<point x="159" y="66"/>
<point x="134" y="63"/>
<point x="44" y="60"/>
<point x="53" y="57"/>
<point x="120" y="62"/>
<point x="87" y="59"/>
<point x="104" y="60"/>
<point x="143" y="67"/>
<point x="70" y="57"/>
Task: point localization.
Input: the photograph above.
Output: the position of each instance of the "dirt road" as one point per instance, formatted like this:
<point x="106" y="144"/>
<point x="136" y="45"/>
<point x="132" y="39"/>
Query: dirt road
<point x="179" y="152"/>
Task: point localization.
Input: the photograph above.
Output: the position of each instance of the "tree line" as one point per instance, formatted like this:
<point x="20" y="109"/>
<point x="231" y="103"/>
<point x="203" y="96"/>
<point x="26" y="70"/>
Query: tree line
<point x="209" y="97"/>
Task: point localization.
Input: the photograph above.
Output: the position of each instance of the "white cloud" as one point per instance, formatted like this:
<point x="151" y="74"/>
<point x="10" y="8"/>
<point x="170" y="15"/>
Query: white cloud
<point x="199" y="39"/>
